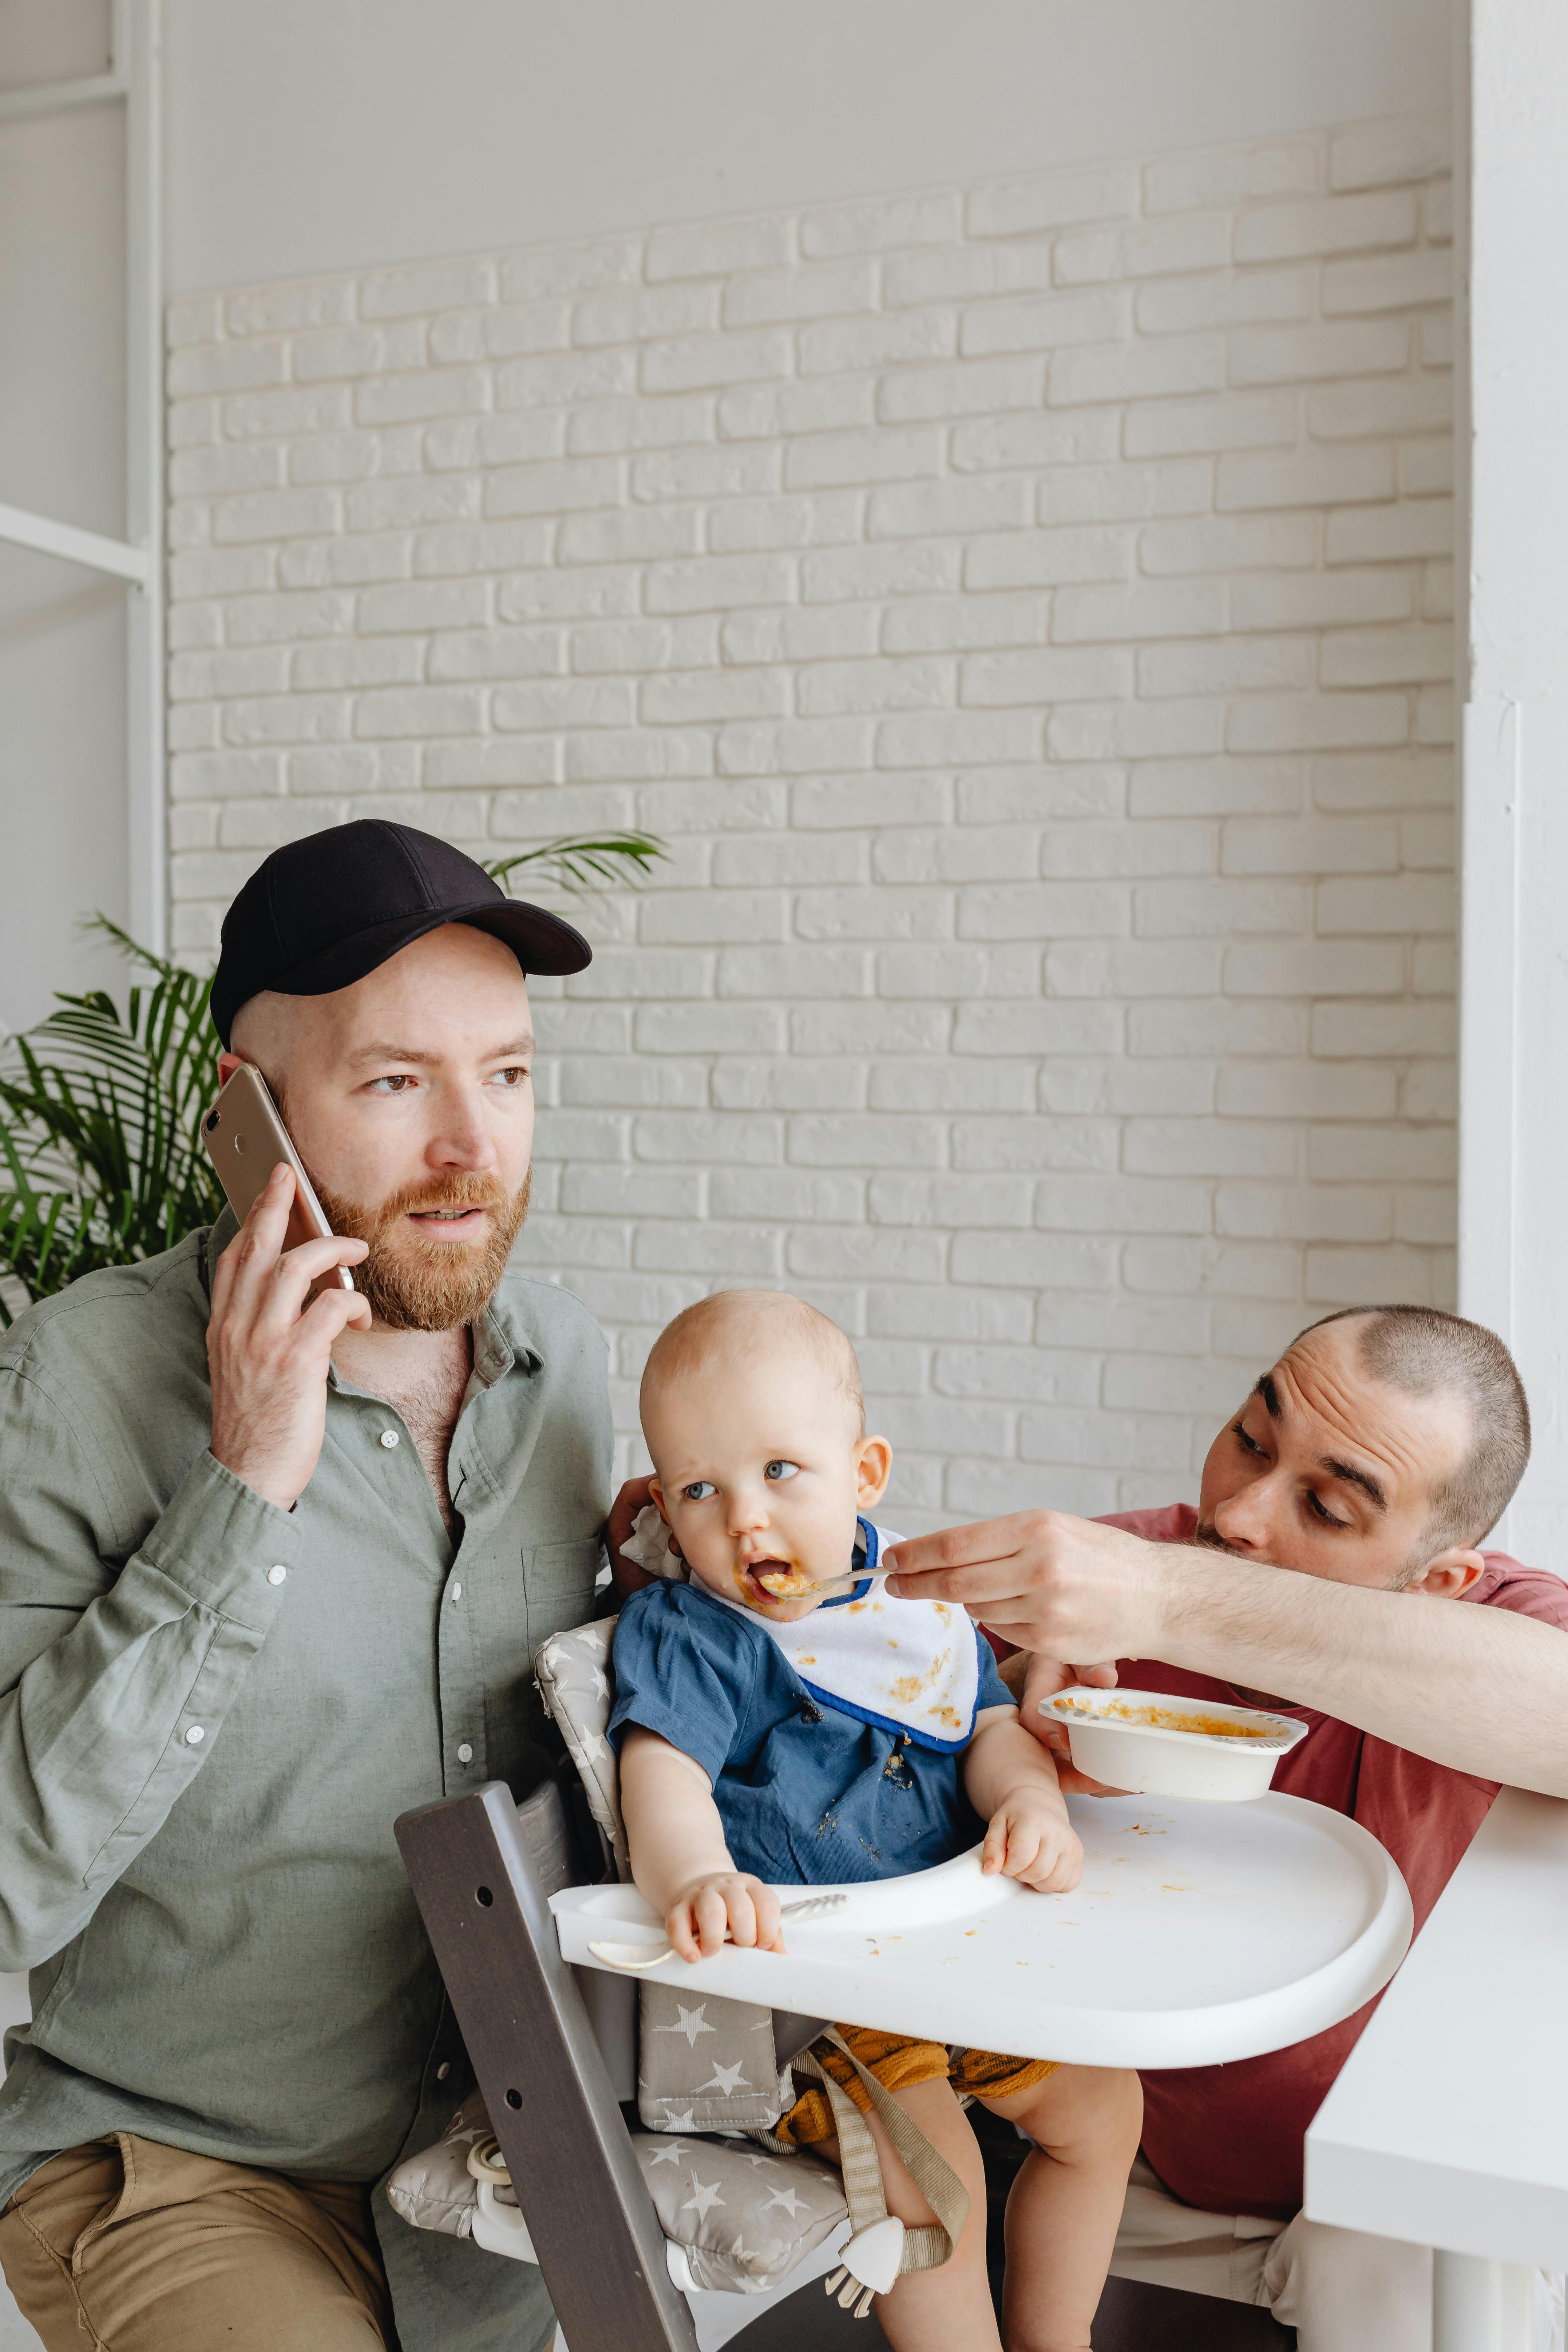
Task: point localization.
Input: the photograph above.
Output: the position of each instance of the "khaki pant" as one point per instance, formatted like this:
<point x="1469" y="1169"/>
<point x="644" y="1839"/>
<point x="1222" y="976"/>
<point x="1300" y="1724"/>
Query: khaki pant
<point x="123" y="2246"/>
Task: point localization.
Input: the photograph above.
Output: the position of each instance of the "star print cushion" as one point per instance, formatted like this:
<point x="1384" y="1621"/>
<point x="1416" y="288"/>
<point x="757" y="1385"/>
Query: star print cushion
<point x="745" y="2218"/>
<point x="706" y="2065"/>
<point x="742" y="2092"/>
<point x="572" y="1672"/>
<point x="435" y="2190"/>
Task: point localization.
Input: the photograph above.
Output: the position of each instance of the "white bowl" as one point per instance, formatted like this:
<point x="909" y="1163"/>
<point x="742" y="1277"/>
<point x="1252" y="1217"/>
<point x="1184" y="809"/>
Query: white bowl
<point x="1136" y="1741"/>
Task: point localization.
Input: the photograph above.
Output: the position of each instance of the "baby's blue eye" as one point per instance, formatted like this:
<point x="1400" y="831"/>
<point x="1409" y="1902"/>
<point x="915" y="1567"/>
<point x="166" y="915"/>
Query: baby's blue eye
<point x="782" y="1470"/>
<point x="698" y="1490"/>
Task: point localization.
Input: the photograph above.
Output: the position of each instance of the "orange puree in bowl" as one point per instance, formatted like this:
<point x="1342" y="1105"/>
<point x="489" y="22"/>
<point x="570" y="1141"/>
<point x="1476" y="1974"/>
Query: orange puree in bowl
<point x="1165" y="1718"/>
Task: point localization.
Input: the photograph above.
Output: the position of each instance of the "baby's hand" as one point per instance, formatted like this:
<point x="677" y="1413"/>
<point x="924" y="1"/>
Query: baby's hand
<point x="723" y="1904"/>
<point x="1029" y="1837"/>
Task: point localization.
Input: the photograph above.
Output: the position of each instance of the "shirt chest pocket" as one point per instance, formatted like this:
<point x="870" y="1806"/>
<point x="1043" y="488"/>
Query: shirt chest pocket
<point x="558" y="1587"/>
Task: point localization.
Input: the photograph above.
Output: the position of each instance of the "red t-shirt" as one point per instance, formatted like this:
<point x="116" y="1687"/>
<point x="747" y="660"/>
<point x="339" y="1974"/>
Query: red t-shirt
<point x="1229" y="2138"/>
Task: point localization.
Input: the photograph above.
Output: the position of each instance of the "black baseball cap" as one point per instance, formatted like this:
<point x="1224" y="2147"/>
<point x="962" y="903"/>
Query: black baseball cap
<point x="321" y="913"/>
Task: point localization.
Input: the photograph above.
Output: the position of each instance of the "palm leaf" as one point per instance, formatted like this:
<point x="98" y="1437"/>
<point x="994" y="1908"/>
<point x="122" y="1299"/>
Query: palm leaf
<point x="583" y="864"/>
<point x="100" y="1162"/>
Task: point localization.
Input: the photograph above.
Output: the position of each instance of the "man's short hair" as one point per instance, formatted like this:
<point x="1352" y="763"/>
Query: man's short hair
<point x="1422" y="1353"/>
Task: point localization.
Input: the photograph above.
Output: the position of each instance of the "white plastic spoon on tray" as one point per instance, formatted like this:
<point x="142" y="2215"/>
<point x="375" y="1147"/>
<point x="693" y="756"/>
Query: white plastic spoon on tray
<point x="643" y="1956"/>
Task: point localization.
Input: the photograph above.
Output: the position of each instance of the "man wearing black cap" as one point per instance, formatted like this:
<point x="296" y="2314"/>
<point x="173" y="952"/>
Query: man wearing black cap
<point x="273" y="1566"/>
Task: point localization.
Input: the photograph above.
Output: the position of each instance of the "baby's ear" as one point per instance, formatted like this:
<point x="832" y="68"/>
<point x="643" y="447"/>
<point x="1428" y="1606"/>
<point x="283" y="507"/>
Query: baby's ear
<point x="657" y="1492"/>
<point x="873" y="1469"/>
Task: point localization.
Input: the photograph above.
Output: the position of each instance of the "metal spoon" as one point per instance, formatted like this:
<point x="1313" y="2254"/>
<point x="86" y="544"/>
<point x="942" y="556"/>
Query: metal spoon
<point x="641" y="1956"/>
<point x="832" y="1584"/>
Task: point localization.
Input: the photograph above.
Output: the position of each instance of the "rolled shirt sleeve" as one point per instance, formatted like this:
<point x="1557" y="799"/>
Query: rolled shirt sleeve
<point x="114" y="1676"/>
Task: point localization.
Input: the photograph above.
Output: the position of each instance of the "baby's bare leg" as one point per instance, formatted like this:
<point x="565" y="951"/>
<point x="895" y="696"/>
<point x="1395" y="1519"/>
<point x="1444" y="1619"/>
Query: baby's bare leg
<point x="947" y="2310"/>
<point x="1085" y="2122"/>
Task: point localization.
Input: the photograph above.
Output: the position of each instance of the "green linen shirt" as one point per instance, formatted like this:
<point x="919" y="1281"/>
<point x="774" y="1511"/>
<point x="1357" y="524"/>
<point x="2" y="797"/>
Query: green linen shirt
<point x="211" y="1713"/>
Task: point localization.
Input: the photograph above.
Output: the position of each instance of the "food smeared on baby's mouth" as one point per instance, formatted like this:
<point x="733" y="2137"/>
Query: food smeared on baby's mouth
<point x="783" y="1583"/>
<point x="769" y="1581"/>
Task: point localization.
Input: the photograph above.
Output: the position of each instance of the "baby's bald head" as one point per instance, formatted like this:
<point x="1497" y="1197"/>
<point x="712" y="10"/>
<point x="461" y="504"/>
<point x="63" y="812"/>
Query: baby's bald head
<point x="751" y="1411"/>
<point x="746" y="1326"/>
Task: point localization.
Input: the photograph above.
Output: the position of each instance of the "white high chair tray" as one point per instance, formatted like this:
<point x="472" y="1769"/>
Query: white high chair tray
<point x="1199" y="1933"/>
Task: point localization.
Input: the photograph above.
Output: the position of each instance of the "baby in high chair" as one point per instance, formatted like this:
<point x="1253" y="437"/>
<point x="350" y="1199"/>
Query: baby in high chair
<point x="768" y="1735"/>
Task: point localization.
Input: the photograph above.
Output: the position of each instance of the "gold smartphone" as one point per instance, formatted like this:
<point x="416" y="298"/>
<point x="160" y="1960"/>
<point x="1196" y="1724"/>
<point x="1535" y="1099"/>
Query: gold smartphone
<point x="245" y="1139"/>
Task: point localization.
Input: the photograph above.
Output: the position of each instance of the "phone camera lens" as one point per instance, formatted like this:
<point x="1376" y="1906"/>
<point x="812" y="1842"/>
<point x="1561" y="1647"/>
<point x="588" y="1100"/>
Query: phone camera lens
<point x="212" y="1121"/>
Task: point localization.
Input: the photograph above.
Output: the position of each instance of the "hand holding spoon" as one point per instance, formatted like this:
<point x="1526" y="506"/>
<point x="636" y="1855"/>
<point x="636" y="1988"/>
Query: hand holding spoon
<point x="644" y="1955"/>
<point x="783" y="1585"/>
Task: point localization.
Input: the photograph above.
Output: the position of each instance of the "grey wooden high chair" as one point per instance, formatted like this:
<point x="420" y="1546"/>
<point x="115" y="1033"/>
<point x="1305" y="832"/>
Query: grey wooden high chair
<point x="554" y="2067"/>
<point x="554" y="2054"/>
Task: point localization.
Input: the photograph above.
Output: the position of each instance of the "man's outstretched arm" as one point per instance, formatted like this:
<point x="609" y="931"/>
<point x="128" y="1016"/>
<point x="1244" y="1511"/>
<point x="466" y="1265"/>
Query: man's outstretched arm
<point x="1484" y="1690"/>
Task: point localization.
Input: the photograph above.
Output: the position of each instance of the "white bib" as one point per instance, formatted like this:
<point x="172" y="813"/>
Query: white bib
<point x="908" y="1665"/>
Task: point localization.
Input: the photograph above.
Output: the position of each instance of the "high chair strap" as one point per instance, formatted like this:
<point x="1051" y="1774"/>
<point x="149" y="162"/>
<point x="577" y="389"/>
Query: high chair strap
<point x="925" y="2247"/>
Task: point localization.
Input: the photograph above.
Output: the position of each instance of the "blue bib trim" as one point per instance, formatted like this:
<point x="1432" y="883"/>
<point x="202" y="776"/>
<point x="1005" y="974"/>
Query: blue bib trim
<point x="868" y="1662"/>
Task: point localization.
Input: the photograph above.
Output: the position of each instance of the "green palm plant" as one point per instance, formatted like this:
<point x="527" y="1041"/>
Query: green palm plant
<point x="100" y="1164"/>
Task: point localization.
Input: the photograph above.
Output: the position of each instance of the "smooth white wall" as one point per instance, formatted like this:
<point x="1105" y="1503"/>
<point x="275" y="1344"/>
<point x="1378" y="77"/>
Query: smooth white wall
<point x="1514" y="1239"/>
<point x="315" y="134"/>
<point x="62" y="453"/>
<point x="310" y="135"/>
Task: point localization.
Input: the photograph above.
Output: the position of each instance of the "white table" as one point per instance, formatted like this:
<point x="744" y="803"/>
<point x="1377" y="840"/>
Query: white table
<point x="1448" y="2126"/>
<point x="1200" y="1933"/>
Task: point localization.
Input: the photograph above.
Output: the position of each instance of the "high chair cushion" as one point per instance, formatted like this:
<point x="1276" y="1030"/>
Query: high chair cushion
<point x="435" y="2190"/>
<point x="573" y="1671"/>
<point x="705" y="2064"/>
<point x="743" y="2218"/>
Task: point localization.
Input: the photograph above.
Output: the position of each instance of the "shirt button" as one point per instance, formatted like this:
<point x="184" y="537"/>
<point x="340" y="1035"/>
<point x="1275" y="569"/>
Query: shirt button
<point x="195" y="1737"/>
<point x="465" y="1753"/>
<point x="389" y="1438"/>
<point x="275" y="1574"/>
<point x="443" y="2070"/>
<point x="457" y="1592"/>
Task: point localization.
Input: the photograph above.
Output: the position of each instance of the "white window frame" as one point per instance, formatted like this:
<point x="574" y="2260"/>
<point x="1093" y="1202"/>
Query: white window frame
<point x="133" y="80"/>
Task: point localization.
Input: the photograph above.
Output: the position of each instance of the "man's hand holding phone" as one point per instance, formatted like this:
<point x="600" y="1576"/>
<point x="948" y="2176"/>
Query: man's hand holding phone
<point x="268" y="1351"/>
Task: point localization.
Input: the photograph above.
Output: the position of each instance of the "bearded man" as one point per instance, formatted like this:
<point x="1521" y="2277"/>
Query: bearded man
<point x="273" y="1567"/>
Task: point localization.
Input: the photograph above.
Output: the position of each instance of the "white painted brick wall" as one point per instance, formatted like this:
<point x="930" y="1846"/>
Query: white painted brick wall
<point x="1024" y="610"/>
